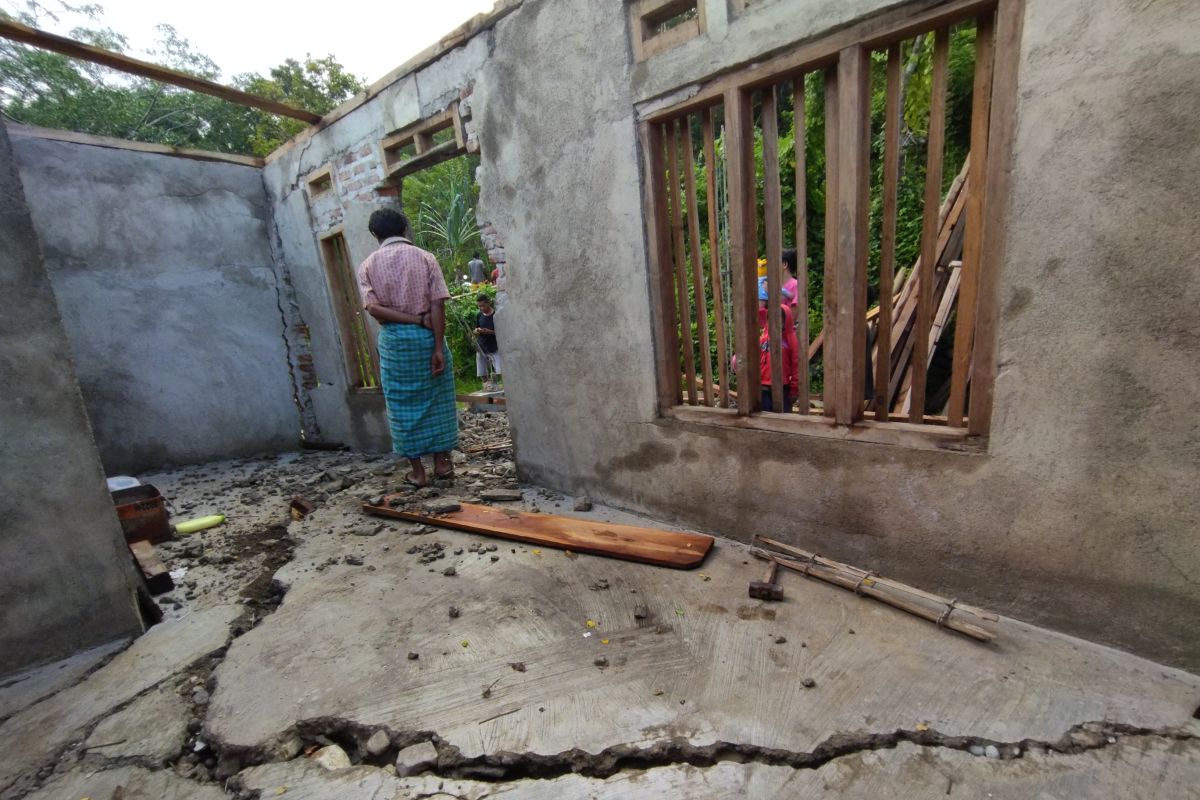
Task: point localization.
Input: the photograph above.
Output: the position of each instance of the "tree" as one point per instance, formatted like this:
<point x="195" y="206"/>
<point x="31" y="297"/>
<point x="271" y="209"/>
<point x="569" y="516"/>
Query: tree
<point x="52" y="90"/>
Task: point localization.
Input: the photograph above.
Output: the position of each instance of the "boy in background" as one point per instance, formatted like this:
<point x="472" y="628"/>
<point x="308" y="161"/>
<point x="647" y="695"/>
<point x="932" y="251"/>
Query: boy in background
<point x="487" y="352"/>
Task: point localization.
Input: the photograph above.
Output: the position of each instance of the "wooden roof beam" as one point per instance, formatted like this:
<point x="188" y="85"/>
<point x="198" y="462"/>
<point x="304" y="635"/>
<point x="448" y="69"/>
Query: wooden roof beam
<point x="98" y="55"/>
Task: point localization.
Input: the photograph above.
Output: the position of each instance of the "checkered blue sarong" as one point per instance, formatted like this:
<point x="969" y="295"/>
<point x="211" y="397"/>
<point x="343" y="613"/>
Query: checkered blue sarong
<point x="420" y="406"/>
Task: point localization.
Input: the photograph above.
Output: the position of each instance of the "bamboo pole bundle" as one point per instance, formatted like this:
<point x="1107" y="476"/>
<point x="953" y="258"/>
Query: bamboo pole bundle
<point x="915" y="601"/>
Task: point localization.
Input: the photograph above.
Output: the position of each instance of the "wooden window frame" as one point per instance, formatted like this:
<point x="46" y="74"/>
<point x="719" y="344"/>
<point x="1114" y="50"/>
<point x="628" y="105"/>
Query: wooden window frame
<point x="644" y="15"/>
<point x="320" y="183"/>
<point x="844" y="56"/>
<point x="420" y="136"/>
<point x="344" y="290"/>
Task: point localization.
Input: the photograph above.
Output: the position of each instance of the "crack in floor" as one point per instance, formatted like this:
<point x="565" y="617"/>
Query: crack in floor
<point x="506" y="766"/>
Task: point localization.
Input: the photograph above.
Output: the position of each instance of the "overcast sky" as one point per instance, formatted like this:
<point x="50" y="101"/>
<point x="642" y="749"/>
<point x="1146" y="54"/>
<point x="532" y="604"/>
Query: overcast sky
<point x="368" y="38"/>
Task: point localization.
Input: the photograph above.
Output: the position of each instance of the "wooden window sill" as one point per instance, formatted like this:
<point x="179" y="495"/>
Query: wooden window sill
<point x="897" y="434"/>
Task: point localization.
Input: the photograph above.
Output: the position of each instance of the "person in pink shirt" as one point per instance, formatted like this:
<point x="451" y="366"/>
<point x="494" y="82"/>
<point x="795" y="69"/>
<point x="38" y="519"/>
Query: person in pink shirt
<point x="403" y="288"/>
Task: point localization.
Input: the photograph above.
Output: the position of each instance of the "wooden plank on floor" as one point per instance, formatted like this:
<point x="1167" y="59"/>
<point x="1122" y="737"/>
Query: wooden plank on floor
<point x="693" y="221"/>
<point x="628" y="542"/>
<point x="929" y="232"/>
<point x="773" y="230"/>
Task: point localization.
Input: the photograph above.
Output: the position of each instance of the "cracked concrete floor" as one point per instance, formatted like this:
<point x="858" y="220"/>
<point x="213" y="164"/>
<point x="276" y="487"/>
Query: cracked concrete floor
<point x="699" y="697"/>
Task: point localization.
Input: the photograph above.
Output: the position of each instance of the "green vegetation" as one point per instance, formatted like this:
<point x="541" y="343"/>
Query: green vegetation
<point x="440" y="202"/>
<point x="55" y="91"/>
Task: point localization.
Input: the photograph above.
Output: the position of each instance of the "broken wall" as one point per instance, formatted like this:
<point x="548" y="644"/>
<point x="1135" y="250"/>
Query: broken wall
<point x="163" y="271"/>
<point x="348" y="143"/>
<point x="1081" y="514"/>
<point x="66" y="581"/>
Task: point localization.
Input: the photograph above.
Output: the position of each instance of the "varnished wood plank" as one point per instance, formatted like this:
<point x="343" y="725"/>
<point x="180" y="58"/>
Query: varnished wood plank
<point x="666" y="324"/>
<point x="964" y="325"/>
<point x="853" y="189"/>
<point x="773" y="229"/>
<point x="1010" y="16"/>
<point x="739" y="154"/>
<point x="929" y="232"/>
<point x="829" y="300"/>
<point x="628" y="542"/>
<point x="10" y="29"/>
<point x="680" y="260"/>
<point x="799" y="135"/>
<point x="710" y="180"/>
<point x="887" y="247"/>
<point x="698" y="294"/>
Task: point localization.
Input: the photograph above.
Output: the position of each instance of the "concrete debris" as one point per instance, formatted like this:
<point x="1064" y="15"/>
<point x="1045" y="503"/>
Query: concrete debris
<point x="332" y="757"/>
<point x="501" y="495"/>
<point x="413" y="656"/>
<point x="416" y="759"/>
<point x="583" y="503"/>
<point x="379" y="742"/>
<point x="449" y="572"/>
<point x="445" y="505"/>
<point x="454" y="612"/>
<point x="598" y="585"/>
<point x="808" y="683"/>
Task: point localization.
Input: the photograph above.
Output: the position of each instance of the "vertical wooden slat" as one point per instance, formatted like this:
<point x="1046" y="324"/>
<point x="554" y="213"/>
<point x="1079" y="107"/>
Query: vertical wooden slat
<point x="964" y="324"/>
<point x="739" y="154"/>
<point x="1010" y="15"/>
<point x="773" y="228"/>
<point x="662" y="292"/>
<point x="710" y="180"/>
<point x="799" y="129"/>
<point x="680" y="258"/>
<point x="853" y="190"/>
<point x="929" y="231"/>
<point x="829" y="301"/>
<point x="887" y="247"/>
<point x="693" y="212"/>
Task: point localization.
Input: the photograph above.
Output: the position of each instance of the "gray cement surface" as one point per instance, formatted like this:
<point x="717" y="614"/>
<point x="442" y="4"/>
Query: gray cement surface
<point x="699" y="697"/>
<point x="66" y="580"/>
<point x="23" y="689"/>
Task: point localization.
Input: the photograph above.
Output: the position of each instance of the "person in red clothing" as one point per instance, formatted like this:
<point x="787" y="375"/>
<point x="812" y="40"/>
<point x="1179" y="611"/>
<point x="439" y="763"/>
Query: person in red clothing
<point x="791" y="365"/>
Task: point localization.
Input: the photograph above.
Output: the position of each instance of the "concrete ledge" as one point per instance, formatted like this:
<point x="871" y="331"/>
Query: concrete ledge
<point x="35" y="132"/>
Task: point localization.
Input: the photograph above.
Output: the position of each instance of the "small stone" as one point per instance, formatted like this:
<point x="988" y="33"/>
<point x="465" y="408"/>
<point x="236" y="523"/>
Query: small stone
<point x="780" y="640"/>
<point x="808" y="683"/>
<point x="416" y="759"/>
<point x="601" y="662"/>
<point x="491" y="548"/>
<point x="598" y="585"/>
<point x="379" y="742"/>
<point x="332" y="757"/>
<point x="518" y="666"/>
<point x="454" y="612"/>
<point x="449" y="572"/>
<point x="193" y="725"/>
<point x="413" y="656"/>
<point x="975" y="750"/>
<point x="583" y="503"/>
<point x="640" y="612"/>
<point x="991" y="751"/>
<point x="445" y="505"/>
<point x="200" y="697"/>
<point x="353" y="561"/>
<point x="495" y="558"/>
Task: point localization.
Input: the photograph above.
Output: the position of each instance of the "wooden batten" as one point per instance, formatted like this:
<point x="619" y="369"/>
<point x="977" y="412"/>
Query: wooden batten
<point x="693" y="221"/>
<point x="739" y="152"/>
<point x="929" y="232"/>
<point x="674" y="140"/>
<point x="710" y="180"/>
<point x="799" y="128"/>
<point x="887" y="266"/>
<point x="773" y="229"/>
<point x="828" y="336"/>
<point x="666" y="325"/>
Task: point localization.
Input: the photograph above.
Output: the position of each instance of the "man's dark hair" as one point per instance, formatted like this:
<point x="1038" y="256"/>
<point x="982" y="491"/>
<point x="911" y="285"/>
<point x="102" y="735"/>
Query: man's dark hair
<point x="386" y="223"/>
<point x="475" y="254"/>
<point x="789" y="260"/>
<point x="484" y="297"/>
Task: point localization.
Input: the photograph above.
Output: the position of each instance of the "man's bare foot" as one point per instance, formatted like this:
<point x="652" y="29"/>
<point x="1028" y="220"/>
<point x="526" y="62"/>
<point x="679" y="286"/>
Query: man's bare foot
<point x="443" y="467"/>
<point x="417" y="476"/>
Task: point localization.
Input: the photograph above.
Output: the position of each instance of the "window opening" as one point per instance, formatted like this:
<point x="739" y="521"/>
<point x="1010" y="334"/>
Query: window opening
<point x="362" y="360"/>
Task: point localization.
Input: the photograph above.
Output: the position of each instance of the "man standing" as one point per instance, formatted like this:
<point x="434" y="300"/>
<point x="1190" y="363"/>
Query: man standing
<point x="487" y="353"/>
<point x="476" y="270"/>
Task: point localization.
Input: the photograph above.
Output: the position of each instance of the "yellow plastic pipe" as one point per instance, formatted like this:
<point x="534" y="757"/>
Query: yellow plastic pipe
<point x="200" y="523"/>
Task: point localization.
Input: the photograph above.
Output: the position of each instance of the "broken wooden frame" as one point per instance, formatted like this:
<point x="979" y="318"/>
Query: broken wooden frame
<point x="10" y="29"/>
<point x="358" y="343"/>
<point x="747" y="101"/>
<point x="415" y="147"/>
<point x="659" y="25"/>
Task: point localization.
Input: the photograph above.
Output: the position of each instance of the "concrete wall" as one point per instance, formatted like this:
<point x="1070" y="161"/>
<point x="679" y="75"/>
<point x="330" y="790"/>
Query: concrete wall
<point x="163" y="270"/>
<point x="1082" y="514"/>
<point x="66" y="581"/>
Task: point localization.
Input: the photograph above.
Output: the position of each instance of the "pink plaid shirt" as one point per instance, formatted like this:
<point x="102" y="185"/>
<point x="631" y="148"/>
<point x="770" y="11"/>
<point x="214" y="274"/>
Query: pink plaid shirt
<point x="401" y="276"/>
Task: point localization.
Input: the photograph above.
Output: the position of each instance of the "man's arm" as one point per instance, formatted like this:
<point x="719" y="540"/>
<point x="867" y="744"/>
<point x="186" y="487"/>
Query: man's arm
<point x="437" y="313"/>
<point x="385" y="314"/>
